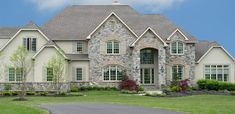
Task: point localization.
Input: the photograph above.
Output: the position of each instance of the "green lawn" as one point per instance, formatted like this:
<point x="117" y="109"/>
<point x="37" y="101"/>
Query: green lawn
<point x="202" y="104"/>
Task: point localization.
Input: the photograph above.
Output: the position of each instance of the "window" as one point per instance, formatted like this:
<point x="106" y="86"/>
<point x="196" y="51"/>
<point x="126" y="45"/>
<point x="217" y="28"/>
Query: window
<point x="15" y="74"/>
<point x="147" y="76"/>
<point x="49" y="74"/>
<point x="79" y="73"/>
<point x="80" y="47"/>
<point x="147" y="56"/>
<point x="113" y="47"/>
<point x="113" y="73"/>
<point x="30" y="44"/>
<point x="216" y="72"/>
<point x="177" y="72"/>
<point x="177" y="48"/>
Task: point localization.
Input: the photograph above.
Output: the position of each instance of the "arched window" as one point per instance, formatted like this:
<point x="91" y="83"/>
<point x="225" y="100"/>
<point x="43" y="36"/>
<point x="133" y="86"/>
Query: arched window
<point x="177" y="48"/>
<point x="177" y="72"/>
<point x="113" y="73"/>
<point x="113" y="47"/>
<point x="147" y="56"/>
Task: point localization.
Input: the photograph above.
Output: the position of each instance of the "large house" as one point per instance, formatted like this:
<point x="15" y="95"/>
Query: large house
<point x="101" y="42"/>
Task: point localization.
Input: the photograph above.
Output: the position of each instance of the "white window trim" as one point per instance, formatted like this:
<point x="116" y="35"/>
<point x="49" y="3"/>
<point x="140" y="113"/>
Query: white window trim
<point x="113" y="48"/>
<point x="76" y="74"/>
<point x="82" y="44"/>
<point x="183" y="72"/>
<point x="110" y="74"/>
<point x="15" y="73"/>
<point x="229" y="68"/>
<point x="177" y="48"/>
<point x="31" y="43"/>
<point x="47" y="74"/>
<point x="151" y="79"/>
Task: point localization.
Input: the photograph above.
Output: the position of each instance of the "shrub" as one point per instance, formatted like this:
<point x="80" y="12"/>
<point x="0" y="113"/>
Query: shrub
<point x="83" y="89"/>
<point x="63" y="94"/>
<point x="141" y="88"/>
<point x="43" y="93"/>
<point x="232" y="92"/>
<point x="7" y="93"/>
<point x="14" y="93"/>
<point x="129" y="85"/>
<point x="215" y="85"/>
<point x="7" y="87"/>
<point x="30" y="93"/>
<point x="175" y="89"/>
<point x="74" y="89"/>
<point x="184" y="85"/>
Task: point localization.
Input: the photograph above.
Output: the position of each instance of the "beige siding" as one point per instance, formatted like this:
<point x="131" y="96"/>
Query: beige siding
<point x="3" y="42"/>
<point x="79" y="64"/>
<point x="215" y="57"/>
<point x="40" y="64"/>
<point x="13" y="45"/>
<point x="70" y="47"/>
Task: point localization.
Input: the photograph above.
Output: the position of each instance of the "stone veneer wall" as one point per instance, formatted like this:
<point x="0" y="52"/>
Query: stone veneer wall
<point x="112" y="29"/>
<point x="187" y="60"/>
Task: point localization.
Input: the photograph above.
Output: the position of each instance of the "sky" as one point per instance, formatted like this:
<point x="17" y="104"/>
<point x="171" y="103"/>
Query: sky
<point x="212" y="20"/>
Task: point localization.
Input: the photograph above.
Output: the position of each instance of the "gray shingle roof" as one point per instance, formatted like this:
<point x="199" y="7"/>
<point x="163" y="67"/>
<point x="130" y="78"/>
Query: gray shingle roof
<point x="202" y="47"/>
<point x="7" y="33"/>
<point x="75" y="57"/>
<point x="77" y="22"/>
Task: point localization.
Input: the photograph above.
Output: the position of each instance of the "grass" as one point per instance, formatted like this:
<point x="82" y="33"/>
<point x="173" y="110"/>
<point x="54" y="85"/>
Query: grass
<point x="201" y="104"/>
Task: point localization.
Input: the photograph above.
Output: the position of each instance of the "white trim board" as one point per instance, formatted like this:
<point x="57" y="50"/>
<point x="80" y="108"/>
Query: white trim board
<point x="89" y="36"/>
<point x="177" y="30"/>
<point x="12" y="38"/>
<point x="49" y="46"/>
<point x="149" y="28"/>
<point x="208" y="51"/>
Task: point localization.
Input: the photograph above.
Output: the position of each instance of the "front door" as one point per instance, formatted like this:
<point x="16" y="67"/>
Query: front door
<point x="147" y="76"/>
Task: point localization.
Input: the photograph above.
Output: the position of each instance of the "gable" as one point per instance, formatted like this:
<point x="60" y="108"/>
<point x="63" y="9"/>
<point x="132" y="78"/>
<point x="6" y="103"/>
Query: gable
<point x="216" y="55"/>
<point x="177" y="35"/>
<point x="111" y="18"/>
<point x="149" y="33"/>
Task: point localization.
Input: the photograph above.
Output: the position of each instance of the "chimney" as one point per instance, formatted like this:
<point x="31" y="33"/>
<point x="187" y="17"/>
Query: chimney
<point x="116" y="2"/>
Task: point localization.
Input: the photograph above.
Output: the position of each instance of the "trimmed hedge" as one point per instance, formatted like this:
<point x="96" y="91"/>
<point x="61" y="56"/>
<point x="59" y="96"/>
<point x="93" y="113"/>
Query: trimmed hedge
<point x="215" y="85"/>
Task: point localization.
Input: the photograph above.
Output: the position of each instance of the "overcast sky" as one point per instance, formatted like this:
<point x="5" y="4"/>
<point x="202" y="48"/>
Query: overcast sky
<point x="212" y="20"/>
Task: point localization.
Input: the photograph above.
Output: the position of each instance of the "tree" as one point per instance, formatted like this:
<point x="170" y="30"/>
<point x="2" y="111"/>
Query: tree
<point x="57" y="63"/>
<point x="21" y="63"/>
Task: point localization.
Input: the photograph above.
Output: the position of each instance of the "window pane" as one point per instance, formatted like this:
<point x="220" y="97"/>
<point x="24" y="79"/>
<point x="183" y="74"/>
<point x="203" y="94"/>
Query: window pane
<point x="152" y="76"/>
<point x="147" y="56"/>
<point x="113" y="72"/>
<point x="119" y="74"/>
<point x="34" y="44"/>
<point x="147" y="76"/>
<point x="109" y="48"/>
<point x="49" y="74"/>
<point x="79" y="46"/>
<point x="116" y="47"/>
<point x="177" y="72"/>
<point x="11" y="74"/>
<point x="106" y="73"/>
<point x="19" y="74"/>
<point x="213" y="72"/>
<point x="141" y="76"/>
<point x="174" y="48"/>
<point x="180" y="48"/>
<point x="207" y="72"/>
<point x="180" y="72"/>
<point x="226" y="74"/>
<point x="79" y="73"/>
<point x="219" y="73"/>
<point x="174" y="73"/>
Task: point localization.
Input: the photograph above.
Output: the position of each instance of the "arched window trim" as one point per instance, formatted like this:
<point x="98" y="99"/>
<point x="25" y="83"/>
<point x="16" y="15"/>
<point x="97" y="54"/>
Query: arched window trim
<point x="117" y="67"/>
<point x="115" y="49"/>
<point x="177" y="48"/>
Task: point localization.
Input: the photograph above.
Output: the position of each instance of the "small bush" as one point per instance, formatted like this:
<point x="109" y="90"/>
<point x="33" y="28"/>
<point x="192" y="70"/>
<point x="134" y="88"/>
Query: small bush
<point x="7" y="93"/>
<point x="83" y="89"/>
<point x="232" y="92"/>
<point x="14" y="93"/>
<point x="74" y="89"/>
<point x="215" y="85"/>
<point x="30" y="93"/>
<point x="43" y="93"/>
<point x="184" y="85"/>
<point x="128" y="84"/>
<point x="141" y="88"/>
<point x="63" y="94"/>
<point x="175" y="89"/>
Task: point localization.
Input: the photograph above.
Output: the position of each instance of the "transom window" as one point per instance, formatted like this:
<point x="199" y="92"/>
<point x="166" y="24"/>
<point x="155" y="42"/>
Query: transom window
<point x="113" y="73"/>
<point x="79" y="73"/>
<point x="113" y="47"/>
<point x="30" y="44"/>
<point x="216" y="72"/>
<point x="50" y="74"/>
<point x="147" y="56"/>
<point x="15" y="74"/>
<point x="80" y="47"/>
<point x="177" y="48"/>
<point x="177" y="72"/>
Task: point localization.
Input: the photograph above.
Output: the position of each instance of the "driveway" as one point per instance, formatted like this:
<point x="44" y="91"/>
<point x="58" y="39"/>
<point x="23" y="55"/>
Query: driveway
<point x="101" y="109"/>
